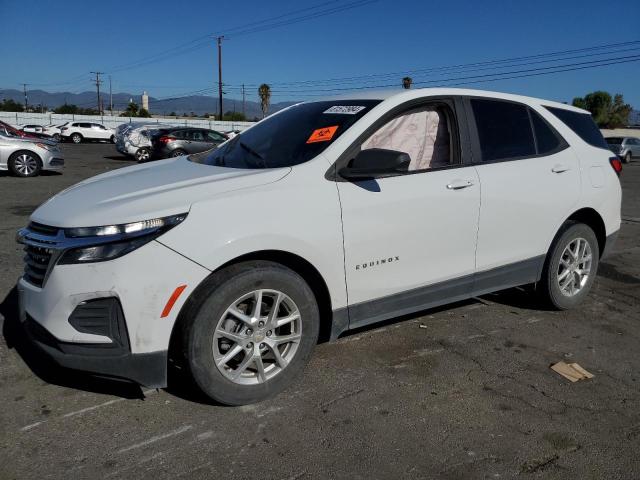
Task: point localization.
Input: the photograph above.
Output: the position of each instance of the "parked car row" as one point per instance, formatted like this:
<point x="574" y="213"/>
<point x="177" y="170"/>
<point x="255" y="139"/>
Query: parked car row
<point x="147" y="141"/>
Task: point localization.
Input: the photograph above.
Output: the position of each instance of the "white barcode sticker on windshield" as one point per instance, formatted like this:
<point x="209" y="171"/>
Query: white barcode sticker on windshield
<point x="345" y="109"/>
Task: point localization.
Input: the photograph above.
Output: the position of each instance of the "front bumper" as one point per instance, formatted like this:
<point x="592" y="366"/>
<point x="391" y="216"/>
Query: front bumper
<point x="142" y="282"/>
<point x="146" y="369"/>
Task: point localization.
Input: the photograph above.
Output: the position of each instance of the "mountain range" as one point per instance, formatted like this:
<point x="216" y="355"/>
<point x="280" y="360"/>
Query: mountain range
<point x="198" y="104"/>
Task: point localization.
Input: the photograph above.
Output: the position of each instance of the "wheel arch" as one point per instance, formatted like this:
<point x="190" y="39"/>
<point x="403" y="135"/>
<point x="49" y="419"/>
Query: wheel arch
<point x="298" y="264"/>
<point x="594" y="220"/>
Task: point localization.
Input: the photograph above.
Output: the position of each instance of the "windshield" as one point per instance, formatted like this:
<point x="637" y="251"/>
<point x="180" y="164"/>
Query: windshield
<point x="288" y="138"/>
<point x="614" y="140"/>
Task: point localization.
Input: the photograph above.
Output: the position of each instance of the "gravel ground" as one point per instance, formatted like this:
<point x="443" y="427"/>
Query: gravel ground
<point x="458" y="392"/>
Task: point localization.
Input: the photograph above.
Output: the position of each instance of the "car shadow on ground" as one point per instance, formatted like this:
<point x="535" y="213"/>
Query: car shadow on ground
<point x="120" y="158"/>
<point x="180" y="382"/>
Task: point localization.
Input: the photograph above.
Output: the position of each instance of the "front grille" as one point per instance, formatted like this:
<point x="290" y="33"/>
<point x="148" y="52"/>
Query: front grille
<point x="37" y="261"/>
<point x="38" y="257"/>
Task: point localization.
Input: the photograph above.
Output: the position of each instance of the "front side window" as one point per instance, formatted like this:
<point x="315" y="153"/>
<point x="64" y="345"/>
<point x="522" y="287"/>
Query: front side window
<point x="421" y="133"/>
<point x="504" y="129"/>
<point x="290" y="137"/>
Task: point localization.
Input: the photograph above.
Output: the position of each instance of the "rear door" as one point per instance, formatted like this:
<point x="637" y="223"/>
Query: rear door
<point x="530" y="183"/>
<point x="410" y="239"/>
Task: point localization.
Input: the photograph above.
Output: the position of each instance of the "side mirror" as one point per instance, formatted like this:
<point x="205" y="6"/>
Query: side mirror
<point x="375" y="162"/>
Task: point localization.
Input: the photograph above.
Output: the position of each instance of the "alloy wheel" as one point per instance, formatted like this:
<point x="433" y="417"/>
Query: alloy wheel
<point x="257" y="337"/>
<point x="575" y="267"/>
<point x="25" y="164"/>
<point x="142" y="155"/>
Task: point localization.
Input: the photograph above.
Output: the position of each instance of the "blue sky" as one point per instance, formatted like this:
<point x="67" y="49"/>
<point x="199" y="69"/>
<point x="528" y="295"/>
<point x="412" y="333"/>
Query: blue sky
<point x="65" y="41"/>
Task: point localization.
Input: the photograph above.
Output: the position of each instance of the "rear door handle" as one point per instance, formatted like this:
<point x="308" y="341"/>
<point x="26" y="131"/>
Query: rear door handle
<point x="559" y="168"/>
<point x="459" y="184"/>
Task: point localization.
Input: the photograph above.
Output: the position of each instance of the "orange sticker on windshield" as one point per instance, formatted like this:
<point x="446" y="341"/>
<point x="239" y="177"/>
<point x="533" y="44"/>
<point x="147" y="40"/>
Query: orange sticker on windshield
<point x="322" y="134"/>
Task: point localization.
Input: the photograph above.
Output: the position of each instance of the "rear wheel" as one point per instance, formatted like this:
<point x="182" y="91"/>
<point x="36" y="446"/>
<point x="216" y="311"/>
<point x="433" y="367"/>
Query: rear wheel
<point x="627" y="158"/>
<point x="76" y="138"/>
<point x="112" y="139"/>
<point x="25" y="164"/>
<point x="143" y="154"/>
<point x="253" y="331"/>
<point x="570" y="267"/>
<point x="178" y="153"/>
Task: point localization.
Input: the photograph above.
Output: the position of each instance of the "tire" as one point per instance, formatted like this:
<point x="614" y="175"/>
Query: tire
<point x="76" y="138"/>
<point x="25" y="164"/>
<point x="237" y="287"/>
<point x="112" y="139"/>
<point x="143" y="155"/>
<point x="559" y="261"/>
<point x="177" y="153"/>
<point x="627" y="158"/>
<point x="56" y="137"/>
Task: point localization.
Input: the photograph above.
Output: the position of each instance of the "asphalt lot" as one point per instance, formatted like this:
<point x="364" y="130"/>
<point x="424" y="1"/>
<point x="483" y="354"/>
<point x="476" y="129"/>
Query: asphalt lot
<point x="459" y="392"/>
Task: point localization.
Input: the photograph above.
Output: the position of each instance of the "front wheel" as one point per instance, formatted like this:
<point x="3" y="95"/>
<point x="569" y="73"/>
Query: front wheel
<point x="76" y="138"/>
<point x="56" y="137"/>
<point x="177" y="153"/>
<point x="253" y="331"/>
<point x="112" y="139"/>
<point x="627" y="158"/>
<point x="25" y="164"/>
<point x="570" y="267"/>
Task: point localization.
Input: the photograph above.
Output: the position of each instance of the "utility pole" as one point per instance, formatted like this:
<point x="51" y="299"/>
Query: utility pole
<point x="110" y="97"/>
<point x="243" y="114"/>
<point x="98" y="82"/>
<point x="220" y="76"/>
<point x="24" y="86"/>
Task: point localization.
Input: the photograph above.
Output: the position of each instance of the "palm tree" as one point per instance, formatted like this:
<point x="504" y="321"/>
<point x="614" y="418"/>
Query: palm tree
<point x="264" y="92"/>
<point x="406" y="82"/>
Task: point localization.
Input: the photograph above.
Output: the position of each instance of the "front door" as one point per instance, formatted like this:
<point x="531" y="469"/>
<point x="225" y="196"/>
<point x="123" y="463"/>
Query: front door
<point x="410" y="239"/>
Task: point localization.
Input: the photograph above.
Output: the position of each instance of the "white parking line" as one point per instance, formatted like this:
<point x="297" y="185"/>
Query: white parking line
<point x="157" y="438"/>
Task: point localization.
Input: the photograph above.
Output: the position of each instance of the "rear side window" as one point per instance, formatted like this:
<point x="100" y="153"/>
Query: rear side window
<point x="547" y="139"/>
<point x="504" y="129"/>
<point x="582" y="125"/>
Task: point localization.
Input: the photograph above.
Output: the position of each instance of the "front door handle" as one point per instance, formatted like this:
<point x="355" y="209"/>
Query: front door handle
<point x="459" y="184"/>
<point x="559" y="168"/>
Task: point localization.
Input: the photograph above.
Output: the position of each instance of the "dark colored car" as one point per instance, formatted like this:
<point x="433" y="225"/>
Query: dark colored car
<point x="174" y="142"/>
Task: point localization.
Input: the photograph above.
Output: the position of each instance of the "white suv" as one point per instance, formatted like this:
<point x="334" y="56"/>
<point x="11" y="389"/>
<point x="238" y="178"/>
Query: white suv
<point x="78" y="132"/>
<point x="324" y="217"/>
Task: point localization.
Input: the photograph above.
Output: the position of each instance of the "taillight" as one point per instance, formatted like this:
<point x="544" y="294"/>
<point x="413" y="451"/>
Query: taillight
<point x="165" y="139"/>
<point x="62" y="129"/>
<point x="616" y="164"/>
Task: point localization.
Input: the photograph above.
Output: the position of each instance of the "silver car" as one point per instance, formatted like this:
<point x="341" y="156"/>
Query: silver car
<point x="27" y="157"/>
<point x="625" y="147"/>
<point x="135" y="141"/>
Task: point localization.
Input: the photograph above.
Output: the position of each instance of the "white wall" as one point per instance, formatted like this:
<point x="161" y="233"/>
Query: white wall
<point x="112" y="122"/>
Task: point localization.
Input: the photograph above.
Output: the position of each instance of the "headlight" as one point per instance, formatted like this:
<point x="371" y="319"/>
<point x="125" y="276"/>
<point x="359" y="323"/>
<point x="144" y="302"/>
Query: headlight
<point x="51" y="148"/>
<point x="112" y="241"/>
<point x="142" y="227"/>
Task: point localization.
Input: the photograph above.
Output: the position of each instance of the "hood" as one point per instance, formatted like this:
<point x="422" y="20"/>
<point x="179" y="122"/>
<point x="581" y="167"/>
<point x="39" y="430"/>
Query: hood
<point x="151" y="190"/>
<point x="34" y="139"/>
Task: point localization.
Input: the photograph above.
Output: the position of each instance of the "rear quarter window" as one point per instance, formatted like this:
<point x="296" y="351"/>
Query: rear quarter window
<point x="582" y="125"/>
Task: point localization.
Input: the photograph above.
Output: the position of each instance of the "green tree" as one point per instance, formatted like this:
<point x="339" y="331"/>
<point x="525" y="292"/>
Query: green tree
<point x="144" y="113"/>
<point x="234" y="116"/>
<point x="406" y="82"/>
<point x="8" y="105"/>
<point x="264" y="92"/>
<point x="131" y="111"/>
<point x="606" y="112"/>
<point x="66" y="109"/>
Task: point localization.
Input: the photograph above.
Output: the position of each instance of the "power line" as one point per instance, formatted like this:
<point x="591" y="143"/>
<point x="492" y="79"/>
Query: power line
<point x="268" y="24"/>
